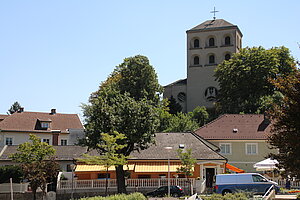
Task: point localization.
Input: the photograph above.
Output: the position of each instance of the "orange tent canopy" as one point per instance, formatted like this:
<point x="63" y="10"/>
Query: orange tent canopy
<point x="235" y="169"/>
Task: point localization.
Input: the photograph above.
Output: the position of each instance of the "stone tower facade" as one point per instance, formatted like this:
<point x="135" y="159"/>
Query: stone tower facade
<point x="208" y="44"/>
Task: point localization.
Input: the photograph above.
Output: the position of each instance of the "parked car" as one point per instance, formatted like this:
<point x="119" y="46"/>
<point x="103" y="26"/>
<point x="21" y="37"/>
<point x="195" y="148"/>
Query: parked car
<point x="175" y="191"/>
<point x="252" y="182"/>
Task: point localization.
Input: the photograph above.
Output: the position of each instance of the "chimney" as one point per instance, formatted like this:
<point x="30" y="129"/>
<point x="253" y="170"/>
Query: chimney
<point x="21" y="110"/>
<point x="53" y="111"/>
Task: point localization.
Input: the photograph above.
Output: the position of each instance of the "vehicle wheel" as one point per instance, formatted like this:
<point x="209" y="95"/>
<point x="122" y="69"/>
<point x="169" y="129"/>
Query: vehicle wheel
<point x="175" y="195"/>
<point x="226" y="192"/>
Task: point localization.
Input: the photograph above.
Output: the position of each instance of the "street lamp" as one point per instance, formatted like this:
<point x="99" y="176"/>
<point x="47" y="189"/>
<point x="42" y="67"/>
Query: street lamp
<point x="169" y="149"/>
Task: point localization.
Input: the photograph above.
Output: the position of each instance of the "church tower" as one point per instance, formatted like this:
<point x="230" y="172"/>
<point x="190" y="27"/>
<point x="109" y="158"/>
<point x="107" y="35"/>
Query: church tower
<point x="208" y="44"/>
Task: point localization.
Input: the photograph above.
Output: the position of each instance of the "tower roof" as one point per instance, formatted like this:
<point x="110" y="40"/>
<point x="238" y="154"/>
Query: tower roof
<point x="209" y="25"/>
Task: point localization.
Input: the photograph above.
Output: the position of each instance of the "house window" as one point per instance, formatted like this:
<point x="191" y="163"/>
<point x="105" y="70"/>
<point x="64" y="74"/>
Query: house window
<point x="211" y="59"/>
<point x="211" y="42"/>
<point x="63" y="142"/>
<point x="9" y="141"/>
<point x="225" y="148"/>
<point x="46" y="141"/>
<point x="196" y="60"/>
<point x="181" y="96"/>
<point x="196" y="43"/>
<point x="251" y="148"/>
<point x="227" y="40"/>
<point x="227" y="56"/>
<point x="45" y="124"/>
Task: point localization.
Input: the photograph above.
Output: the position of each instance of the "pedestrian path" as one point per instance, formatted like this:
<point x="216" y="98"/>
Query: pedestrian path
<point x="283" y="197"/>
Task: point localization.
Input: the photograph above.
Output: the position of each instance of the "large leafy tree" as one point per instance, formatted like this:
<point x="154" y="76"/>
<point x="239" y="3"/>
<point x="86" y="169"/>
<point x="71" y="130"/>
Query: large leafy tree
<point x="109" y="157"/>
<point x="244" y="79"/>
<point x="286" y="128"/>
<point x="127" y="102"/>
<point x="14" y="108"/>
<point x="174" y="106"/>
<point x="37" y="163"/>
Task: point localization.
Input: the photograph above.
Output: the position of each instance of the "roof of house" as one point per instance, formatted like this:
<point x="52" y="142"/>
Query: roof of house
<point x="3" y="117"/>
<point x="178" y="82"/>
<point x="236" y="127"/>
<point x="31" y="122"/>
<point x="214" y="24"/>
<point x="200" y="150"/>
<point x="70" y="152"/>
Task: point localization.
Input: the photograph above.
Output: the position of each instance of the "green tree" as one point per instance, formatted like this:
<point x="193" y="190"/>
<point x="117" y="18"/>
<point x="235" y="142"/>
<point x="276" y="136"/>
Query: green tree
<point x="11" y="171"/>
<point x="14" y="108"/>
<point x="286" y="128"/>
<point x="37" y="163"/>
<point x="187" y="162"/>
<point x="200" y="115"/>
<point x="245" y="78"/>
<point x="181" y="122"/>
<point x="174" y="106"/>
<point x="109" y="157"/>
<point x="127" y="102"/>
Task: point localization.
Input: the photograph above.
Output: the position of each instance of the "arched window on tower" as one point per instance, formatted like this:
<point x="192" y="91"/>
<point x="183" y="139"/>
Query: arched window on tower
<point x="211" y="59"/>
<point x="227" y="40"/>
<point x="196" y="43"/>
<point x="227" y="56"/>
<point x="196" y="60"/>
<point x="211" y="42"/>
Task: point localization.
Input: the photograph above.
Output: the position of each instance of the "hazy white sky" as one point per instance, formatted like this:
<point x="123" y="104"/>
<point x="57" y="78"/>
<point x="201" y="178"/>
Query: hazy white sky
<point x="53" y="54"/>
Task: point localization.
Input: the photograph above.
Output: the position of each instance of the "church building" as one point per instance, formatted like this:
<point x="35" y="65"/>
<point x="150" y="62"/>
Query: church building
<point x="208" y="44"/>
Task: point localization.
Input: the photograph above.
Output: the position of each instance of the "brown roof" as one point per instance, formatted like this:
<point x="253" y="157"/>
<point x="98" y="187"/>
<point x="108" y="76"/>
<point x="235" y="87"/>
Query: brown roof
<point x="31" y="122"/>
<point x="200" y="150"/>
<point x="214" y="24"/>
<point x="236" y="127"/>
<point x="3" y="117"/>
<point x="62" y="152"/>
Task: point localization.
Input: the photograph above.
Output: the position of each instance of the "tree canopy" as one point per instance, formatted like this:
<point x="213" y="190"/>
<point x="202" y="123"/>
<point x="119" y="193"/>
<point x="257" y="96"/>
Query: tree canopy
<point x="14" y="108"/>
<point x="245" y="79"/>
<point x="127" y="102"/>
<point x="37" y="163"/>
<point x="286" y="128"/>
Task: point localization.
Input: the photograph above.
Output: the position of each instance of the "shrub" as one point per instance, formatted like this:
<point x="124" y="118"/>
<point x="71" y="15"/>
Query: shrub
<point x="11" y="171"/>
<point x="235" y="196"/>
<point x="133" y="196"/>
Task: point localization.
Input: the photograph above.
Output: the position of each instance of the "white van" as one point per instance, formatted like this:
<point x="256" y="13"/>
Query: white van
<point x="252" y="182"/>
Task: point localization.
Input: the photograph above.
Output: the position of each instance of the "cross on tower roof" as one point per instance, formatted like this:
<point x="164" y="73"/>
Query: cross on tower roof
<point x="214" y="11"/>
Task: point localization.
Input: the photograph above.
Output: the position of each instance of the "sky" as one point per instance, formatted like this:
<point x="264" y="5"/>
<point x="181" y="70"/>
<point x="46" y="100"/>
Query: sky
<point x="54" y="54"/>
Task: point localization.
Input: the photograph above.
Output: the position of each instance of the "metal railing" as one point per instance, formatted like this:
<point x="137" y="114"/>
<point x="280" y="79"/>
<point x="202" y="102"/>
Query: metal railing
<point x="144" y="183"/>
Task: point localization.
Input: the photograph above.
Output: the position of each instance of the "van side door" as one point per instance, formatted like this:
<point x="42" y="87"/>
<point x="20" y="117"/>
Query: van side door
<point x="260" y="184"/>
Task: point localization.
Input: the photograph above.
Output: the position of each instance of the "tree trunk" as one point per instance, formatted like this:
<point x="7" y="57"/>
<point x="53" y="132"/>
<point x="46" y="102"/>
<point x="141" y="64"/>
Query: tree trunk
<point x="106" y="181"/>
<point x="34" y="194"/>
<point x="121" y="179"/>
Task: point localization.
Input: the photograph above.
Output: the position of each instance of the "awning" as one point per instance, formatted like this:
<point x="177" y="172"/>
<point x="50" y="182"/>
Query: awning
<point x="156" y="167"/>
<point x="235" y="169"/>
<point x="96" y="168"/>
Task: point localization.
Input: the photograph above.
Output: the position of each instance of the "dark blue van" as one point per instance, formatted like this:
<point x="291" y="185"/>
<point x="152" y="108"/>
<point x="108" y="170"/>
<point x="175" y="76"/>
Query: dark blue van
<point x="252" y="182"/>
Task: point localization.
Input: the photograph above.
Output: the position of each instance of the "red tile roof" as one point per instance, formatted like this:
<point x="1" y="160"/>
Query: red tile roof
<point x="30" y="122"/>
<point x="236" y="127"/>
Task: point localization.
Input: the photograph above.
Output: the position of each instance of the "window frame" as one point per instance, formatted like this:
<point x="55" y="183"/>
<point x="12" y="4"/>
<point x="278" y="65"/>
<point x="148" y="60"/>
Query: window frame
<point x="45" y="125"/>
<point x="198" y="60"/>
<point x="12" y="141"/>
<point x="209" y="59"/>
<point x="46" y="139"/>
<point x="196" y="43"/>
<point x="230" y="148"/>
<point x="211" y="42"/>
<point x="65" y="143"/>
<point x="226" y="40"/>
<point x="252" y="144"/>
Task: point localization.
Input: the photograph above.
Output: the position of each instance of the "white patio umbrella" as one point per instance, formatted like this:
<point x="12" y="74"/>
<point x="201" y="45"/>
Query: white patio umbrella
<point x="266" y="165"/>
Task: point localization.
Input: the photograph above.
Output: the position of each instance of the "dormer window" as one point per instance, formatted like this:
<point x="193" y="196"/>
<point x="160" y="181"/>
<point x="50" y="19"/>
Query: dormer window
<point x="45" y="125"/>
